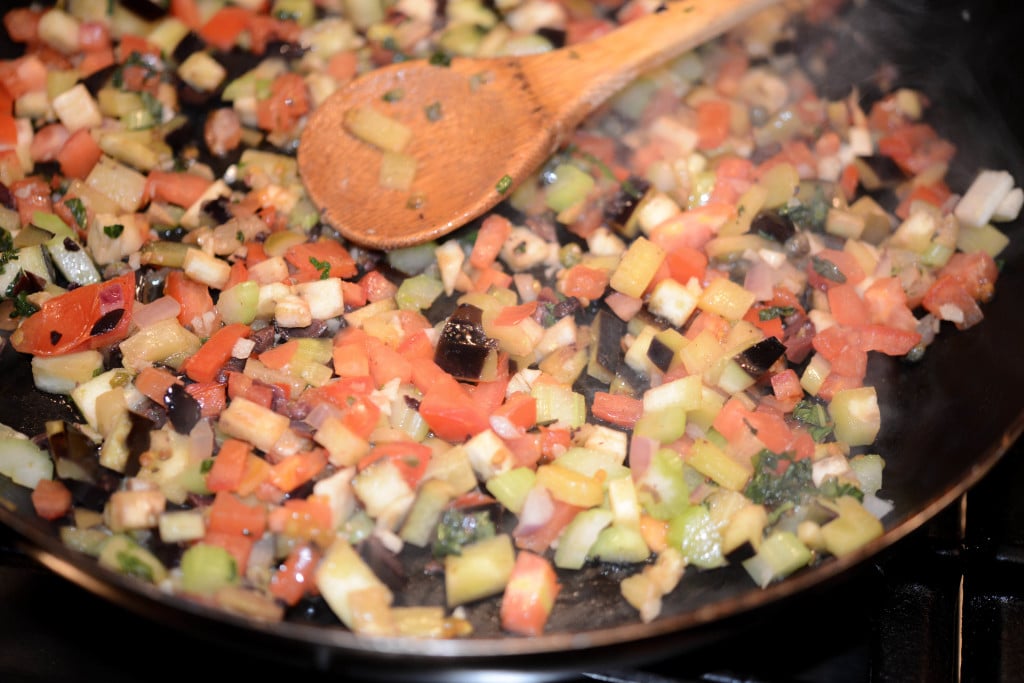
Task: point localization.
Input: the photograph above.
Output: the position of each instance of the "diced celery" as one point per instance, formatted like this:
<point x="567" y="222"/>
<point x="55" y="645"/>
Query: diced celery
<point x="852" y="529"/>
<point x="431" y="501"/>
<point x="238" y="303"/>
<point x="590" y="461"/>
<point x="579" y="537"/>
<point x="637" y="267"/>
<point x="856" y="415"/>
<point x="482" y="570"/>
<point x="620" y="545"/>
<point x="512" y="486"/>
<point x="781" y="554"/>
<point x="557" y="403"/>
<point x="568" y="187"/>
<point x="665" y="425"/>
<point x="716" y="464"/>
<point x="205" y="568"/>
<point x="381" y="131"/>
<point x="122" y="554"/>
<point x="418" y="292"/>
<point x="662" y="490"/>
<point x="696" y="536"/>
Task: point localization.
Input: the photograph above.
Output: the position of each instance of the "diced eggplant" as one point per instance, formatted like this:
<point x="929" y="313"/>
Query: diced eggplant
<point x="463" y="346"/>
<point x="619" y="209"/>
<point x="182" y="409"/>
<point x="759" y="358"/>
<point x="743" y="551"/>
<point x="660" y="353"/>
<point x="878" y="171"/>
<point x="137" y="441"/>
<point x="74" y="454"/>
<point x="146" y="9"/>
<point x="606" y="352"/>
<point x="384" y="563"/>
<point x="773" y="226"/>
<point x="6" y="198"/>
<point x="555" y="36"/>
<point x="186" y="46"/>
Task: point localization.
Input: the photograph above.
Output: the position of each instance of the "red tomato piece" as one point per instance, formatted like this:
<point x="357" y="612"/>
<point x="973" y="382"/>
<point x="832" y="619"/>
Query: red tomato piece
<point x="529" y="596"/>
<point x="51" y="499"/>
<point x="88" y="317"/>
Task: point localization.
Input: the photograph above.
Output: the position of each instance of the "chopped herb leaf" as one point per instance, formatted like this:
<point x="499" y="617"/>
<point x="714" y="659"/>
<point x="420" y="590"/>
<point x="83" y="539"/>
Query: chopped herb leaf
<point x="833" y="488"/>
<point x="133" y="566"/>
<point x="240" y="236"/>
<point x="323" y="266"/>
<point x="206" y="465"/>
<point x="458" y="528"/>
<point x="504" y="184"/>
<point x="779" y="479"/>
<point x="827" y="269"/>
<point x="440" y="59"/>
<point x="815" y="418"/>
<point x="23" y="308"/>
<point x="78" y="211"/>
<point x="113" y="231"/>
<point x="393" y="95"/>
<point x="433" y="111"/>
<point x="772" y="312"/>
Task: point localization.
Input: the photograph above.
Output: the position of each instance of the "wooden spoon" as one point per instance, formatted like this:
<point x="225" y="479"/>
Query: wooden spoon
<point x="481" y="126"/>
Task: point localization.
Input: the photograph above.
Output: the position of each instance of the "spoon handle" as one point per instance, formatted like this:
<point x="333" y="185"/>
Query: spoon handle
<point x="574" y="81"/>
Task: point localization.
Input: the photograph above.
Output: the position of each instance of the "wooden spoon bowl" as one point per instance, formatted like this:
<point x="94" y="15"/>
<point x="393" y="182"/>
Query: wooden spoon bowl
<point x="492" y="123"/>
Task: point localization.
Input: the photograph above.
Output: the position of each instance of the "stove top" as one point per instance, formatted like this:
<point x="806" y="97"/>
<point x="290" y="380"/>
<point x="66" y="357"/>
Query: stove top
<point x="944" y="604"/>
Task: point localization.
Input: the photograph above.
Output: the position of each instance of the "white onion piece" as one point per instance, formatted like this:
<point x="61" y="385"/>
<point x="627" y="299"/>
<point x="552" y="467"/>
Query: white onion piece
<point x="641" y="450"/>
<point x="760" y="280"/>
<point x="504" y="428"/>
<point x="879" y="507"/>
<point x="200" y="441"/>
<point x="537" y="511"/>
<point x="319" y="413"/>
<point x="144" y="315"/>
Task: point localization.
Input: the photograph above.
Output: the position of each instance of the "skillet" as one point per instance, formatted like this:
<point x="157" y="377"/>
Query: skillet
<point x="948" y="420"/>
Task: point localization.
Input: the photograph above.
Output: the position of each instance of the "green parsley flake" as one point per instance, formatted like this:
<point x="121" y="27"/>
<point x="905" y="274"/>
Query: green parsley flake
<point x="77" y="209"/>
<point x="323" y="266"/>
<point x="393" y="95"/>
<point x="433" y="111"/>
<point x="504" y="184"/>
<point x="113" y="231"/>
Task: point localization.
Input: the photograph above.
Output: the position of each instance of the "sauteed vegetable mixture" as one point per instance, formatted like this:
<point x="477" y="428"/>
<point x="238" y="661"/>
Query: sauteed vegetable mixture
<point x="652" y="356"/>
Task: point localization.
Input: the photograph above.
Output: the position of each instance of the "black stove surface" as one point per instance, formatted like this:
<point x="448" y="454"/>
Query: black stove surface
<point x="944" y="604"/>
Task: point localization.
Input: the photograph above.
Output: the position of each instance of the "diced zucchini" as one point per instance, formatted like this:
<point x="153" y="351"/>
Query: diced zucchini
<point x="781" y="554"/>
<point x="694" y="534"/>
<point x="482" y="570"/>
<point x="511" y="488"/>
<point x="61" y="374"/>
<point x="206" y="568"/>
<point x="579" y="537"/>
<point x="852" y="529"/>
<point x="620" y="545"/>
<point x="717" y="465"/>
<point x="122" y="554"/>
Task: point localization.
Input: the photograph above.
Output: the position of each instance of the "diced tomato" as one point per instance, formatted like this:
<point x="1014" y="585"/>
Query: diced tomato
<point x="308" y="519"/>
<point x="771" y="429"/>
<point x="229" y="515"/>
<point x="887" y="304"/>
<point x="296" y="578"/>
<point x="842" y="347"/>
<point x="387" y="364"/>
<point x="520" y="410"/>
<point x="491" y="277"/>
<point x="351" y="359"/>
<point x="540" y="539"/>
<point x="554" y="441"/>
<point x="154" y="382"/>
<point x="949" y="299"/>
<point x="51" y="499"/>
<point x="411" y="459"/>
<point x="490" y="237"/>
<point x="79" y="154"/>
<point x="892" y="341"/>
<point x="686" y="262"/>
<point x="288" y="102"/>
<point x="224" y="27"/>
<point x="831" y="267"/>
<point x="206" y="363"/>
<point x="529" y="596"/>
<point x="847" y="307"/>
<point x="836" y="382"/>
<point x="129" y="44"/>
<point x="295" y="470"/>
<point x="312" y="259"/>
<point x="343" y="66"/>
<point x="229" y="466"/>
<point x="451" y="412"/>
<point x="23" y="75"/>
<point x="30" y="195"/>
<point x="212" y="397"/>
<point x="771" y="325"/>
<point x="976" y="271"/>
<point x="584" y="282"/>
<point x="713" y="121"/>
<point x="786" y="388"/>
<point x="193" y="297"/>
<point x="242" y="385"/>
<point x="187" y="12"/>
<point x="263" y="29"/>
<point x="280" y="356"/>
<point x="376" y="287"/>
<point x="22" y="24"/>
<point x="257" y="472"/>
<point x="88" y="317"/>
<point x="618" y="409"/>
<point x="178" y="188"/>
<point x="46" y="143"/>
<point x="731" y="420"/>
<point x="655" y="532"/>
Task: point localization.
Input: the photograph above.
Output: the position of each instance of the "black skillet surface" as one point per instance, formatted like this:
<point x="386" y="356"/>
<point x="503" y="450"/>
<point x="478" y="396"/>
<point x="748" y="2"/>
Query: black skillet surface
<point x="947" y="419"/>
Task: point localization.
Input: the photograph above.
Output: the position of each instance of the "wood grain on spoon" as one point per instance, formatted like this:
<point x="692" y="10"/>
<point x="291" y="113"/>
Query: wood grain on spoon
<point x="489" y="118"/>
